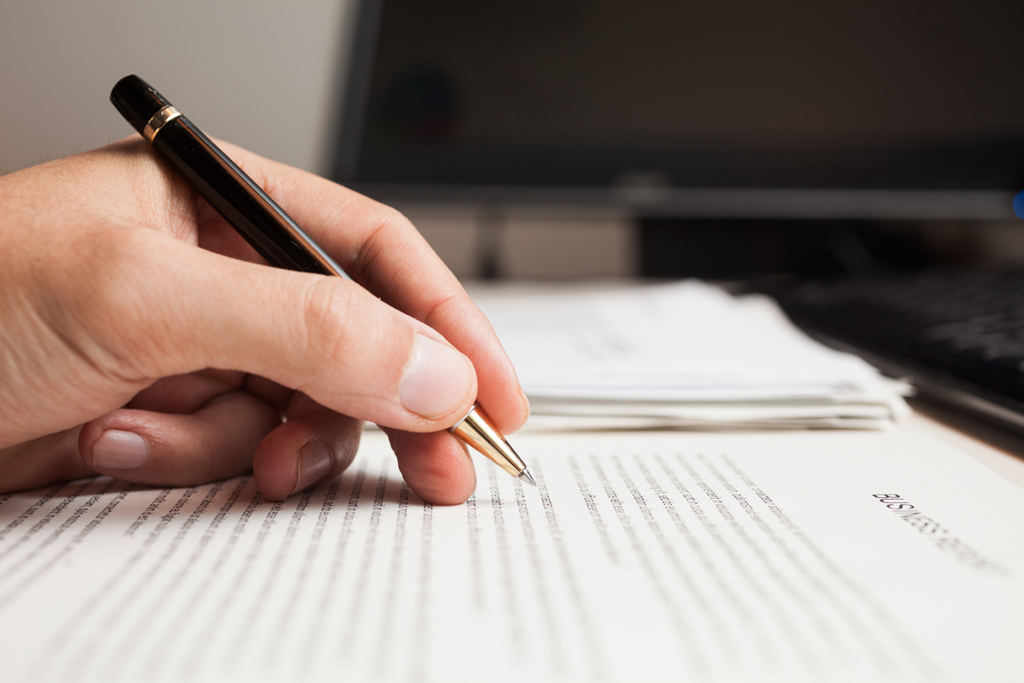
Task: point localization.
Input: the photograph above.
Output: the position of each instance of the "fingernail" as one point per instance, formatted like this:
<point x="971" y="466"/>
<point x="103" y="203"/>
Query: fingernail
<point x="117" y="450"/>
<point x="436" y="380"/>
<point x="315" y="461"/>
<point x="526" y="403"/>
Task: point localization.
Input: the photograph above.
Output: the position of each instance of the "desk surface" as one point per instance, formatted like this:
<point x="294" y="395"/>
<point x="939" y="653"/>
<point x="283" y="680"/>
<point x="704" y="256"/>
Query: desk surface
<point x="1000" y="451"/>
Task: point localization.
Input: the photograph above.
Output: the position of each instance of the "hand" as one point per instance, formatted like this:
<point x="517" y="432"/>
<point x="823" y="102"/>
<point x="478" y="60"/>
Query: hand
<point x="142" y="338"/>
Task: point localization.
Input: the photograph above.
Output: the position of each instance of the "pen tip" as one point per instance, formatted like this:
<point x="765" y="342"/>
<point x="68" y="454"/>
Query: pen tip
<point x="525" y="474"/>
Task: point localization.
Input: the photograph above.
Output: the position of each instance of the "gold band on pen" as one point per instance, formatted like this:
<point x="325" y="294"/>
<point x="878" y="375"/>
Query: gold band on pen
<point x="159" y="120"/>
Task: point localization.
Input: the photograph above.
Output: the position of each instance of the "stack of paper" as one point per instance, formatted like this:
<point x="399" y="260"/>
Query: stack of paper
<point x="684" y="355"/>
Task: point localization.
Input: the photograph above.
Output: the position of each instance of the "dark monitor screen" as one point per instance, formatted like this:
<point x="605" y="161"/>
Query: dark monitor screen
<point x="661" y="103"/>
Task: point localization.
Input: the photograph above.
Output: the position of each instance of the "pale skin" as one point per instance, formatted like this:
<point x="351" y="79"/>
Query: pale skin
<point x="142" y="338"/>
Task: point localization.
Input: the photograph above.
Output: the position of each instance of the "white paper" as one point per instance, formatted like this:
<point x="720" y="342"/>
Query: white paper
<point x="688" y="346"/>
<point x="641" y="557"/>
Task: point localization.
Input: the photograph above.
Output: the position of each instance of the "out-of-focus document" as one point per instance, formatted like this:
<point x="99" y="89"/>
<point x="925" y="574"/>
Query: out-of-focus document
<point x="679" y="355"/>
<point x="740" y="557"/>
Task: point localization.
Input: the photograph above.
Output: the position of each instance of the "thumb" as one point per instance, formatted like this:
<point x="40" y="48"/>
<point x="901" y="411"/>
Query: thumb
<point x="324" y="336"/>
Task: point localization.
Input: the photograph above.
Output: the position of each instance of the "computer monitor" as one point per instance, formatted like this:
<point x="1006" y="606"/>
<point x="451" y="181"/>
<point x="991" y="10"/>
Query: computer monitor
<point x="852" y="109"/>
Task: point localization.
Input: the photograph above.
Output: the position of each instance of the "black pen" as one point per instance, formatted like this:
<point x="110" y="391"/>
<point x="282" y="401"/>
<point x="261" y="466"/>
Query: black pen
<point x="262" y="223"/>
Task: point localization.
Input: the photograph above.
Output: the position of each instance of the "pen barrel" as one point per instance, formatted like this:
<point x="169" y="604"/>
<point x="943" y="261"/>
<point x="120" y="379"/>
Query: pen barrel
<point x="240" y="201"/>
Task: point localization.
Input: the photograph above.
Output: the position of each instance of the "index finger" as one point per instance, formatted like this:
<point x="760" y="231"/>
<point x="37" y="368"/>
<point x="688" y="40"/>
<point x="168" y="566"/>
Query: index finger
<point x="382" y="250"/>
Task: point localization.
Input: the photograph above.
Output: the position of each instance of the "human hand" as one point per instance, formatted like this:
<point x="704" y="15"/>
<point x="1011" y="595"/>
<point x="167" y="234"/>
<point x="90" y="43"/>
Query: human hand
<point x="140" y="337"/>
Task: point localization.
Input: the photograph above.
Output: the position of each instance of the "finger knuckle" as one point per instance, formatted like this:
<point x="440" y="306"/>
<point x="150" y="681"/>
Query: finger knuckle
<point x="387" y="227"/>
<point x="329" y="310"/>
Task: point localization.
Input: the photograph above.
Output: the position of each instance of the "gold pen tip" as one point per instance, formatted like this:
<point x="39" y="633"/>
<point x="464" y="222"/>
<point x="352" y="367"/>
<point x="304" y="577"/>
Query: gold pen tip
<point x="525" y="474"/>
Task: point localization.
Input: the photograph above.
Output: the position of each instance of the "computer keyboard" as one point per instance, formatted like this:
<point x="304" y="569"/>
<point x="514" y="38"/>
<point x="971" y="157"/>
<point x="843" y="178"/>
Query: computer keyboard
<point x="956" y="334"/>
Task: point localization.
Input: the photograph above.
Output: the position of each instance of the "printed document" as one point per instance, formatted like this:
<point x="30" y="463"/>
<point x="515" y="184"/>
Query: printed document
<point x="799" y="556"/>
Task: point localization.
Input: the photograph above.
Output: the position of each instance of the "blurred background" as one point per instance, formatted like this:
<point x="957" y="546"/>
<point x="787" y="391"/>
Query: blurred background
<point x="261" y="74"/>
<point x="583" y="138"/>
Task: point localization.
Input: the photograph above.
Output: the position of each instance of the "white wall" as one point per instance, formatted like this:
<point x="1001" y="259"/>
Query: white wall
<point x="258" y="73"/>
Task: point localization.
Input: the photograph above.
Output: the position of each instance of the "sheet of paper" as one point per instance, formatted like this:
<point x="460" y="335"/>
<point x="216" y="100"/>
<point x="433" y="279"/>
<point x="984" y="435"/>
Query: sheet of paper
<point x="779" y="557"/>
<point x="684" y="340"/>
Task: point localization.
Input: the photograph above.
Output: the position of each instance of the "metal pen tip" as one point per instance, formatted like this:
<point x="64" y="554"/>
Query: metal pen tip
<point x="477" y="431"/>
<point x="525" y="474"/>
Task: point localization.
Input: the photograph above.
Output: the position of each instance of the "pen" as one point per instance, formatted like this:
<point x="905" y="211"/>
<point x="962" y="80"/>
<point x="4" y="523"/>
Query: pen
<point x="264" y="224"/>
